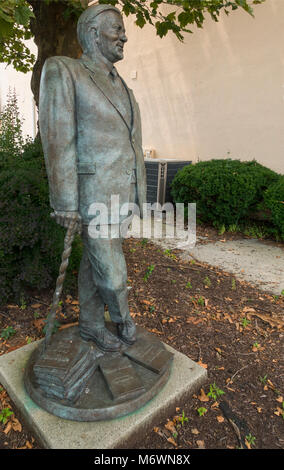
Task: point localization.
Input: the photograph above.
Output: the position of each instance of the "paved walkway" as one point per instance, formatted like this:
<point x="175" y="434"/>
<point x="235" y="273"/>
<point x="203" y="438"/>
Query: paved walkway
<point x="257" y="262"/>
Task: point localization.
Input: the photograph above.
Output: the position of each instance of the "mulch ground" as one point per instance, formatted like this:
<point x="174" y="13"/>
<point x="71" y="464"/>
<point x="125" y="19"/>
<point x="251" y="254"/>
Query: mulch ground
<point x="227" y="326"/>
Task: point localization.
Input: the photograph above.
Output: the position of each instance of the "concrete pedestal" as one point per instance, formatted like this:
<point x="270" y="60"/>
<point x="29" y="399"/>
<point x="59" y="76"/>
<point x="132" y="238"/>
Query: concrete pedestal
<point x="57" y="433"/>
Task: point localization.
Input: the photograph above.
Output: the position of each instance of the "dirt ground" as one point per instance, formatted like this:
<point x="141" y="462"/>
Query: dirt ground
<point x="227" y="326"/>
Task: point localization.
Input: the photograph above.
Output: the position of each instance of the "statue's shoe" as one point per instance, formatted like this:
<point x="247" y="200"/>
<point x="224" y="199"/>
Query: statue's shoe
<point x="127" y="331"/>
<point x="103" y="338"/>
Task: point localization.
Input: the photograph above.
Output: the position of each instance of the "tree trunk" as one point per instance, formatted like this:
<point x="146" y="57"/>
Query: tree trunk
<point x="54" y="34"/>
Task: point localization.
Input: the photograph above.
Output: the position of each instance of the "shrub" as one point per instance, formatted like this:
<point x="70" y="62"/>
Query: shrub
<point x="31" y="242"/>
<point x="224" y="190"/>
<point x="11" y="136"/>
<point x="274" y="201"/>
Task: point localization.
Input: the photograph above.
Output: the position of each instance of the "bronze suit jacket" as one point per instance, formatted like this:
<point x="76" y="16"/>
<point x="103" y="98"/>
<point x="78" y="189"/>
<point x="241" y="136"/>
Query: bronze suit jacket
<point x="90" y="149"/>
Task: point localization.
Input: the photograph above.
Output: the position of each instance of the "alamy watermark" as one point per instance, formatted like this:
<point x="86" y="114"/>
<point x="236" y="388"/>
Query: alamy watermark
<point x="168" y="221"/>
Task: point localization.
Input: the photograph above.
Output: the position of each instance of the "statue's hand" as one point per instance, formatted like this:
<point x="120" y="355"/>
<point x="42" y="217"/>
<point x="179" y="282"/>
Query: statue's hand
<point x="64" y="218"/>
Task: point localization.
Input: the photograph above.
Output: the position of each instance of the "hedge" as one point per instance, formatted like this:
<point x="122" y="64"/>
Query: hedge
<point x="225" y="191"/>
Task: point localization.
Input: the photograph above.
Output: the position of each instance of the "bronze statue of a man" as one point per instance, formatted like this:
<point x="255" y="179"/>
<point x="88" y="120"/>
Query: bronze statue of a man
<point x="91" y="134"/>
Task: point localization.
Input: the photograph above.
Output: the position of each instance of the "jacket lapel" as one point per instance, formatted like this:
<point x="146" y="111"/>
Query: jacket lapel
<point x="100" y="79"/>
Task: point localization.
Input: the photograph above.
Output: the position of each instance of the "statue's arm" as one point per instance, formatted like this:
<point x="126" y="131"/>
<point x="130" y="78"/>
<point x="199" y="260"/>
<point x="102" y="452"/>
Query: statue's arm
<point x="57" y="120"/>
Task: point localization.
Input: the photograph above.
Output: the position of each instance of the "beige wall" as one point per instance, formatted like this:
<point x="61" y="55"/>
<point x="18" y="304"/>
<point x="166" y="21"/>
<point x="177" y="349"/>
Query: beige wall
<point x="219" y="94"/>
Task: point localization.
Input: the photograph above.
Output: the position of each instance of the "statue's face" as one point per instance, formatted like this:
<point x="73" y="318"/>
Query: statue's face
<point x="111" y="36"/>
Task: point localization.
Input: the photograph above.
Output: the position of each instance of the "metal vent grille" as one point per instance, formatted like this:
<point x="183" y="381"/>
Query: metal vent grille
<point x="160" y="174"/>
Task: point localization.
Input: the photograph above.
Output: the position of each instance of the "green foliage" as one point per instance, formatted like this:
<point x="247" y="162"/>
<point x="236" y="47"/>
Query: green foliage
<point x="11" y="136"/>
<point x="201" y="411"/>
<point x="215" y="391"/>
<point x="183" y="419"/>
<point x="6" y="333"/>
<point x="207" y="281"/>
<point x="245" y="322"/>
<point x="225" y="190"/>
<point x="4" y="415"/>
<point x="250" y="439"/>
<point x="149" y="271"/>
<point x="183" y="13"/>
<point x="15" y="16"/>
<point x="274" y="201"/>
<point x="31" y="242"/>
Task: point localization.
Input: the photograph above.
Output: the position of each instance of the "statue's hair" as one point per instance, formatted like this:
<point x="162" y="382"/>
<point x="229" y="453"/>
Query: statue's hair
<point x="88" y="19"/>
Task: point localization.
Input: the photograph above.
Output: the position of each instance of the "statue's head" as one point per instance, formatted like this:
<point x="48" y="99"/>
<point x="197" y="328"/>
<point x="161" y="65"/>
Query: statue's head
<point x="101" y="30"/>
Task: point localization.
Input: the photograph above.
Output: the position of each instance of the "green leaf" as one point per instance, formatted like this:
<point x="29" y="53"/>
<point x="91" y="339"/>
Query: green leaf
<point x="23" y="15"/>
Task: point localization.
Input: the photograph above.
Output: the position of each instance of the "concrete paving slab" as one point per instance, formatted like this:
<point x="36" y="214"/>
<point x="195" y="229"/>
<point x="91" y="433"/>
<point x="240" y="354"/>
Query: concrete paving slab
<point x="251" y="260"/>
<point x="56" y="433"/>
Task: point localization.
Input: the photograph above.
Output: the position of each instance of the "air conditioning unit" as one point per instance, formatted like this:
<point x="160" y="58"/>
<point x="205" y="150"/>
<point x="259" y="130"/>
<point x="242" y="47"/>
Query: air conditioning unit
<point x="160" y="173"/>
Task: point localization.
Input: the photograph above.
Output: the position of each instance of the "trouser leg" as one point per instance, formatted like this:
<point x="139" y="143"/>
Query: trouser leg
<point x="91" y="303"/>
<point x="102" y="280"/>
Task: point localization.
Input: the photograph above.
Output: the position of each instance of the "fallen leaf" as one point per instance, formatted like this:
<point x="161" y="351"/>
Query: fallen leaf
<point x="278" y="412"/>
<point x="8" y="428"/>
<point x="36" y="305"/>
<point x="13" y="348"/>
<point x="248" y="310"/>
<point x="171" y="427"/>
<point x="270" y="384"/>
<point x="202" y="365"/>
<point x="203" y="396"/>
<point x="279" y="399"/>
<point x="218" y="350"/>
<point x="259" y="410"/>
<point x="201" y="444"/>
<point x="215" y="405"/>
<point x="247" y="444"/>
<point x="12" y="306"/>
<point x="172" y="441"/>
<point x="39" y="323"/>
<point x="75" y="302"/>
<point x="68" y="325"/>
<point x="16" y="425"/>
<point x="228" y="317"/>
<point x="220" y="419"/>
<point x="154" y="330"/>
<point x="195" y="431"/>
<point x="177" y="409"/>
<point x="28" y="445"/>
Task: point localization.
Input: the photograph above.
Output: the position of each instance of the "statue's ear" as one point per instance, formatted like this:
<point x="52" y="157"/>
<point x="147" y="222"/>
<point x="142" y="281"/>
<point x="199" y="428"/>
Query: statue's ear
<point x="94" y="32"/>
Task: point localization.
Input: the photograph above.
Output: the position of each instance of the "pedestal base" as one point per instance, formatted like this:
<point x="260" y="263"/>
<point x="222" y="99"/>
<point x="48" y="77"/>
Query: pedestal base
<point x="186" y="378"/>
<point x="119" y="385"/>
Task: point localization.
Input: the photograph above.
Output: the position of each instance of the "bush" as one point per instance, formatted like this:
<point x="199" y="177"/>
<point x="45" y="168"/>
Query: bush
<point x="11" y="136"/>
<point x="274" y="201"/>
<point x="31" y="242"/>
<point x="224" y="190"/>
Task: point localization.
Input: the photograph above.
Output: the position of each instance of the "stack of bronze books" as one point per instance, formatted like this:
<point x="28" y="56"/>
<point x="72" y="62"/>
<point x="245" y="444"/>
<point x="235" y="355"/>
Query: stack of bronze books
<point x="64" y="369"/>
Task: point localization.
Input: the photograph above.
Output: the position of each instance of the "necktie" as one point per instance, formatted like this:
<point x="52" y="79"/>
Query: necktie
<point x="121" y="94"/>
<point x="113" y="73"/>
